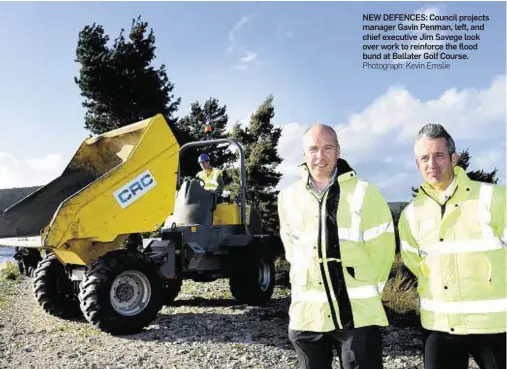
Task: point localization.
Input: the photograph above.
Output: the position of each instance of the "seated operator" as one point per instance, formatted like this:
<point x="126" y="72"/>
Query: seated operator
<point x="212" y="177"/>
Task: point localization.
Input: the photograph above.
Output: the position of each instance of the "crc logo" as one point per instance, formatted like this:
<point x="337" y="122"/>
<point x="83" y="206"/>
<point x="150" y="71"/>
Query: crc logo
<point x="135" y="189"/>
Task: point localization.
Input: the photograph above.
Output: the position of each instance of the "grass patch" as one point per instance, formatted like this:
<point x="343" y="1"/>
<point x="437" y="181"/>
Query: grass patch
<point x="204" y="290"/>
<point x="400" y="294"/>
<point x="400" y="297"/>
<point x="3" y="303"/>
<point x="9" y="280"/>
<point x="76" y="329"/>
<point x="398" y="265"/>
<point x="9" y="271"/>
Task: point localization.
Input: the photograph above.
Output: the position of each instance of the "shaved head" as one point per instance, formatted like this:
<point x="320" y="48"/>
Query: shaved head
<point x="321" y="151"/>
<point x="319" y="128"/>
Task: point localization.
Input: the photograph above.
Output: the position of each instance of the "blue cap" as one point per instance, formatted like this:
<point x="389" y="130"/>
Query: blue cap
<point x="203" y="157"/>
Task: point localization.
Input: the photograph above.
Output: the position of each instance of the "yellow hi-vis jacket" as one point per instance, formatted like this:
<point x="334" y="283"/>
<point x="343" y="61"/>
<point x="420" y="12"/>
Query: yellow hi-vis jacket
<point x="213" y="180"/>
<point x="457" y="253"/>
<point x="340" y="249"/>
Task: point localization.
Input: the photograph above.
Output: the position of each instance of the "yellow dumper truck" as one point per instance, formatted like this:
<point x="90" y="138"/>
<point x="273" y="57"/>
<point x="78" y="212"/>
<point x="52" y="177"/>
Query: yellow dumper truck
<point x="122" y="184"/>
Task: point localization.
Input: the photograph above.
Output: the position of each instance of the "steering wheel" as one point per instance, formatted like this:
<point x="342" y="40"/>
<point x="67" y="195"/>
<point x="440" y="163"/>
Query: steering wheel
<point x="190" y="179"/>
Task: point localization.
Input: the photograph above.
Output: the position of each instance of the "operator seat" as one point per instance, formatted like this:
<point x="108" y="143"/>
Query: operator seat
<point x="194" y="205"/>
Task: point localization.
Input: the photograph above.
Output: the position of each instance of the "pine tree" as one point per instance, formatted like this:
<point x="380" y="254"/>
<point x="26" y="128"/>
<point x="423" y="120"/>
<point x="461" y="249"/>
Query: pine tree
<point x="260" y="141"/>
<point x="118" y="83"/>
<point x="193" y="126"/>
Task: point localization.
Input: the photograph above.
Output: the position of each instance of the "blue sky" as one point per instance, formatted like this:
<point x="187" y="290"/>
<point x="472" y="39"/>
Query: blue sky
<point x="307" y="54"/>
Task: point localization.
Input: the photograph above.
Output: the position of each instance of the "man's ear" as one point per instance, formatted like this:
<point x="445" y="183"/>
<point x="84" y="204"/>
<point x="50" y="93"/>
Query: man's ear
<point x="454" y="159"/>
<point x="417" y="164"/>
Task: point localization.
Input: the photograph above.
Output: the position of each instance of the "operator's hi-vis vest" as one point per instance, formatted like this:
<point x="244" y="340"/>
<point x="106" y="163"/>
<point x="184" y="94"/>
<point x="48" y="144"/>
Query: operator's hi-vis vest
<point x="341" y="250"/>
<point x="457" y="253"/>
<point x="211" y="180"/>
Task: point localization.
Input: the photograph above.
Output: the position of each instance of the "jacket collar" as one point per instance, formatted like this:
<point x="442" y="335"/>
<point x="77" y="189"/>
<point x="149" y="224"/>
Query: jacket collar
<point x="460" y="177"/>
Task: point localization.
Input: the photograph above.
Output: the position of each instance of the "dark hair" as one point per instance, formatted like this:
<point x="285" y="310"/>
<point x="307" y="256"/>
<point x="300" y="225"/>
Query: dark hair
<point x="434" y="131"/>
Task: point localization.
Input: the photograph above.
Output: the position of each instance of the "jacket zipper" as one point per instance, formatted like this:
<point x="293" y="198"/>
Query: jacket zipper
<point x="321" y="265"/>
<point x="442" y="206"/>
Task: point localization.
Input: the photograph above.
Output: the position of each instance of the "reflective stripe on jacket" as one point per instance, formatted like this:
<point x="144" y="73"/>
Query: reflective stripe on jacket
<point x="457" y="252"/>
<point x="340" y="249"/>
<point x="211" y="180"/>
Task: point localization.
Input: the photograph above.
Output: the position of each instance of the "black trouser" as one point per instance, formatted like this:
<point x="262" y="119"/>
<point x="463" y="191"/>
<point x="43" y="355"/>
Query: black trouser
<point x="451" y="351"/>
<point x="359" y="348"/>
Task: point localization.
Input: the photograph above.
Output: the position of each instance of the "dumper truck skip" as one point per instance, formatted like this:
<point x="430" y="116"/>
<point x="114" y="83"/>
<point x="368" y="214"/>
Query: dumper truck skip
<point x="117" y="186"/>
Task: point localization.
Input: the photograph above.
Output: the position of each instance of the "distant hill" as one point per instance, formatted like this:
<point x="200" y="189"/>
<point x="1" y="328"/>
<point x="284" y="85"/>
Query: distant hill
<point x="9" y="196"/>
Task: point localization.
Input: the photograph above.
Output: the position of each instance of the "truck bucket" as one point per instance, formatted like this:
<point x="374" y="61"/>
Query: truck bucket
<point x="32" y="213"/>
<point x="118" y="183"/>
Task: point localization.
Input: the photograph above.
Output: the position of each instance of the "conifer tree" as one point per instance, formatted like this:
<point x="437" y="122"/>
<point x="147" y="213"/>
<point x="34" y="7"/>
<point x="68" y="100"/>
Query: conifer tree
<point x="193" y="125"/>
<point x="119" y="83"/>
<point x="260" y="140"/>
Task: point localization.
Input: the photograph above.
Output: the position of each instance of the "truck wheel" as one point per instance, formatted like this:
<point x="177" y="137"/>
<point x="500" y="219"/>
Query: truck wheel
<point x="54" y="291"/>
<point x="121" y="292"/>
<point x="252" y="281"/>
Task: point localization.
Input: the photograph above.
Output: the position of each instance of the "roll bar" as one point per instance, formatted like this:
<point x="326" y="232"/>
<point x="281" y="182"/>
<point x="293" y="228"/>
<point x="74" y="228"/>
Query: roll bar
<point x="242" y="167"/>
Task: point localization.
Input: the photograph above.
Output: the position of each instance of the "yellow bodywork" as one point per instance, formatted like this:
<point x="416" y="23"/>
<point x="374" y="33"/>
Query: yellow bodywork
<point x="136" y="173"/>
<point x="229" y="214"/>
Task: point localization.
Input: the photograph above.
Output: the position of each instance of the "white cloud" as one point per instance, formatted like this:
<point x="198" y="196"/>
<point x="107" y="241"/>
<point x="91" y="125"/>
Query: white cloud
<point x="246" y="120"/>
<point x="247" y="56"/>
<point x="235" y="31"/>
<point x="15" y="172"/>
<point x="467" y="114"/>
<point x="246" y="59"/>
<point x="240" y="66"/>
<point x="7" y="179"/>
<point x="488" y="159"/>
<point x="379" y="139"/>
<point x="7" y="158"/>
<point x="290" y="148"/>
<point x="7" y="163"/>
<point x="48" y="163"/>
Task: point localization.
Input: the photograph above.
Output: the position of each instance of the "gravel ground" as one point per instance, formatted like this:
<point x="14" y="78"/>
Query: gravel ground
<point x="205" y="329"/>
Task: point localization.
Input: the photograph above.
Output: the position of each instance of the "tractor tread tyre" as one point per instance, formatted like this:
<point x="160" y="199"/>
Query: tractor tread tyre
<point x="49" y="279"/>
<point x="95" y="289"/>
<point x="244" y="281"/>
